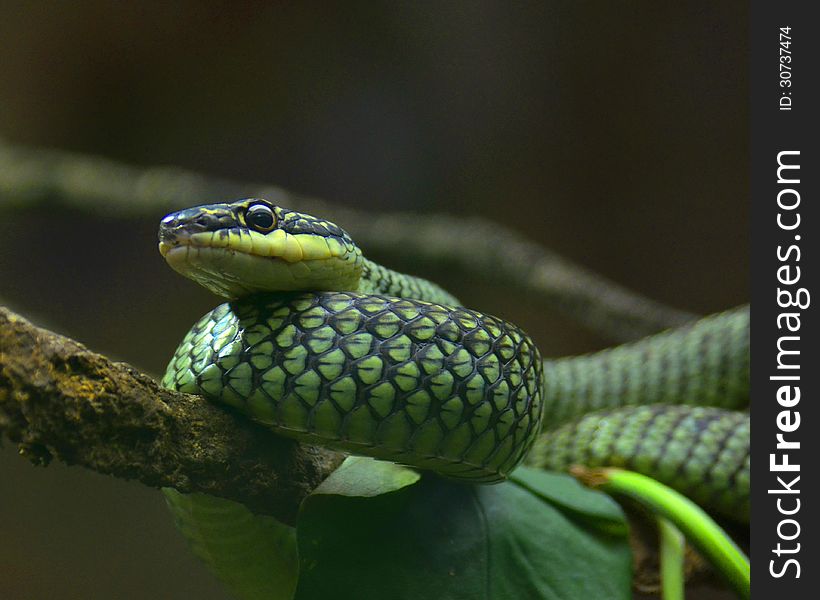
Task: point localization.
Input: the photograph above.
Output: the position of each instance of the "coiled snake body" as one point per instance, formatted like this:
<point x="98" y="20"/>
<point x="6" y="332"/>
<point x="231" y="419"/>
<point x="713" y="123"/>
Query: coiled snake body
<point x="322" y="345"/>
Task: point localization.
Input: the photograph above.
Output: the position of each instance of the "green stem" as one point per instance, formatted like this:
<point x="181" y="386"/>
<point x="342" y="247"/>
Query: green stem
<point x="698" y="527"/>
<point x="672" y="546"/>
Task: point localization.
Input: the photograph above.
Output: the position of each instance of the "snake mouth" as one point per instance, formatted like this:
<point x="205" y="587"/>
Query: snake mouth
<point x="228" y="272"/>
<point x="279" y="244"/>
<point x="166" y="247"/>
<point x="233" y="270"/>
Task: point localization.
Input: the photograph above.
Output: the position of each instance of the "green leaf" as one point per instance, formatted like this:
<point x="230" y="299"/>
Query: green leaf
<point x="538" y="551"/>
<point x="254" y="556"/>
<point x="449" y="541"/>
<point x="366" y="477"/>
<point x="566" y="493"/>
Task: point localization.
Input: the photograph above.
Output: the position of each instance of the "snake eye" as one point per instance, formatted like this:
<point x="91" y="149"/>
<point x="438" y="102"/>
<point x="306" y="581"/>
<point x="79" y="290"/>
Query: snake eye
<point x="260" y="217"/>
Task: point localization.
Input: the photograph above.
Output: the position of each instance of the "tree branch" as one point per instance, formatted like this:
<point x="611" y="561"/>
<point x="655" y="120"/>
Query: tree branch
<point x="473" y="247"/>
<point x="60" y="400"/>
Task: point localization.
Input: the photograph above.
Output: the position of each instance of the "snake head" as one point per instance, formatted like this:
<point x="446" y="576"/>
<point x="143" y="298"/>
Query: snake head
<point x="251" y="245"/>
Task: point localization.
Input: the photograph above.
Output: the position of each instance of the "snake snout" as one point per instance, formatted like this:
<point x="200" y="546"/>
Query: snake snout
<point x="178" y="227"/>
<point x="169" y="229"/>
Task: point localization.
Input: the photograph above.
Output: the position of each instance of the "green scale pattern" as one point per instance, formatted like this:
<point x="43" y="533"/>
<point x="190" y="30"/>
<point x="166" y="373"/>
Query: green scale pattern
<point x="698" y="450"/>
<point x="441" y="388"/>
<point x="705" y="363"/>
<point x="377" y="279"/>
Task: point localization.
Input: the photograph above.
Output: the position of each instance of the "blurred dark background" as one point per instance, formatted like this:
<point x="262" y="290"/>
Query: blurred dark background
<point x="613" y="132"/>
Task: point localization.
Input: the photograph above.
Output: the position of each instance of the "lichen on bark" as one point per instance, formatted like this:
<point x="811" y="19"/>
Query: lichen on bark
<point x="59" y="400"/>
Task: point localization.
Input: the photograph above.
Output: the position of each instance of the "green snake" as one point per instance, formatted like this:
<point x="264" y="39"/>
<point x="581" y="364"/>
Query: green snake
<point x="322" y="345"/>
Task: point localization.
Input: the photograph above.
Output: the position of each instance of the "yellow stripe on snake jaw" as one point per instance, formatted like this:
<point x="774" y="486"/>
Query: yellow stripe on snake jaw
<point x="253" y="246"/>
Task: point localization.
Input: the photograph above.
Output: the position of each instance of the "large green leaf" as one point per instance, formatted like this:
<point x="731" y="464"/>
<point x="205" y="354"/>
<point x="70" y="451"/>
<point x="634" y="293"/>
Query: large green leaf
<point x="255" y="556"/>
<point x="566" y="493"/>
<point x="442" y="540"/>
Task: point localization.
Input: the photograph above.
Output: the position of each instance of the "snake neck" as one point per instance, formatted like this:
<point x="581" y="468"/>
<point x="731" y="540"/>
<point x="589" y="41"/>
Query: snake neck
<point x="377" y="279"/>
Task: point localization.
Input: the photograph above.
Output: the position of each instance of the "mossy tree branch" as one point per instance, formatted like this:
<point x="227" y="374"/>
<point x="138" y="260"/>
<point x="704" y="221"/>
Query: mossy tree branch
<point x="60" y="400"/>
